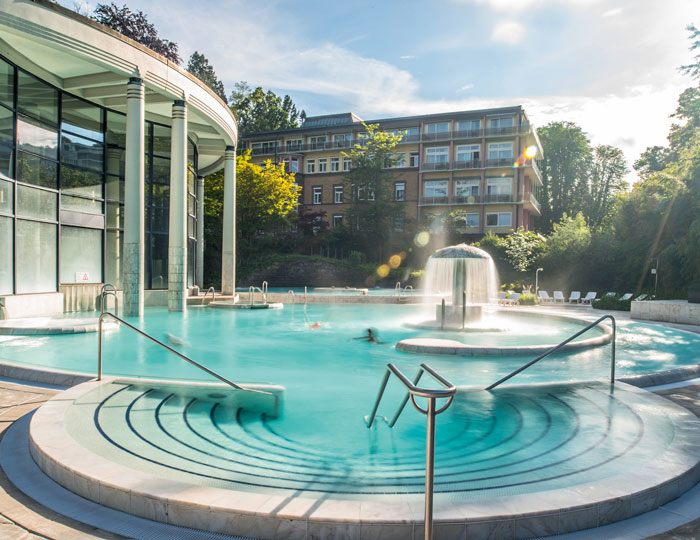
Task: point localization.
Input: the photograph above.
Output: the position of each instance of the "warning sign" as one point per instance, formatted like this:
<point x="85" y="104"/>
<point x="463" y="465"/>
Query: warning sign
<point x="82" y="277"/>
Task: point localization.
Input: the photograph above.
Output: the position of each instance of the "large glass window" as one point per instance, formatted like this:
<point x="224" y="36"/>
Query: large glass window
<point x="7" y="84"/>
<point x="37" y="138"/>
<point x="82" y="152"/>
<point x="499" y="189"/>
<point x="468" y="153"/>
<point x="6" y="191"/>
<point x="34" y="170"/>
<point x="469" y="128"/>
<point x="81" y="118"/>
<point x="7" y="126"/>
<point x="6" y="256"/>
<point x="467" y="190"/>
<point x="81" y="255"/>
<point x="437" y="129"/>
<point x="79" y="182"/>
<point x="436" y="155"/>
<point x="498" y="219"/>
<point x="501" y="150"/>
<point x="36" y="203"/>
<point x="36" y="257"/>
<point x="6" y="161"/>
<point x="37" y="99"/>
<point x="435" y="191"/>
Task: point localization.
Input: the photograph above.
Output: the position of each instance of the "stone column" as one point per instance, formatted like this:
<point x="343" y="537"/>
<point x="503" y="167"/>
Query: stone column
<point x="228" y="251"/>
<point x="132" y="279"/>
<point x="199" y="274"/>
<point x="177" y="235"/>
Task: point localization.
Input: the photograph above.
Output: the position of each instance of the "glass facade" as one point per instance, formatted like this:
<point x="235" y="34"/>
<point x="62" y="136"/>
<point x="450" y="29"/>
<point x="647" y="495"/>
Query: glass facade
<point x="62" y="190"/>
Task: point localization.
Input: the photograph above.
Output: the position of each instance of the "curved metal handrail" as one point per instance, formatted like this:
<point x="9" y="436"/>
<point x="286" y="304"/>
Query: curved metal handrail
<point x="108" y="290"/>
<point x="213" y="295"/>
<point x="557" y="347"/>
<point x="397" y="289"/>
<point x="163" y="345"/>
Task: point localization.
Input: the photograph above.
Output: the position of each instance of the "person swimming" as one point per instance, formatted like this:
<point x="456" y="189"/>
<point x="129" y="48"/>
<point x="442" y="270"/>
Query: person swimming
<point x="370" y="336"/>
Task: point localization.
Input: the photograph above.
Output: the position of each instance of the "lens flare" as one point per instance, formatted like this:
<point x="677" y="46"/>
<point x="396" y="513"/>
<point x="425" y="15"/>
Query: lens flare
<point x="422" y="239"/>
<point x="531" y="151"/>
<point x="383" y="271"/>
<point x="395" y="261"/>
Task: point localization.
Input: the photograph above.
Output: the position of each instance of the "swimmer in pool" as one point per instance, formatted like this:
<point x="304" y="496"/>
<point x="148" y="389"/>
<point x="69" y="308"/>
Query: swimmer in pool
<point x="370" y="337"/>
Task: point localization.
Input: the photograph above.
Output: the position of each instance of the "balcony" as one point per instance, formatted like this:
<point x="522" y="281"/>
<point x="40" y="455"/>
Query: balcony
<point x="465" y="199"/>
<point x="500" y="162"/>
<point x="442" y="199"/>
<point x="469" y="134"/>
<point x="530" y="199"/>
<point x="409" y="139"/>
<point x="437" y="136"/>
<point x="267" y="150"/>
<point x="470" y="164"/>
<point x="498" y="198"/>
<point x="435" y="166"/>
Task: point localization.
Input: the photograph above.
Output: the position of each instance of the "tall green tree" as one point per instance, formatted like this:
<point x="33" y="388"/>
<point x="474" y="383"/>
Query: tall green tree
<point x="565" y="170"/>
<point x="607" y="179"/>
<point x="257" y="110"/>
<point x="135" y="25"/>
<point x="374" y="214"/>
<point x="199" y="66"/>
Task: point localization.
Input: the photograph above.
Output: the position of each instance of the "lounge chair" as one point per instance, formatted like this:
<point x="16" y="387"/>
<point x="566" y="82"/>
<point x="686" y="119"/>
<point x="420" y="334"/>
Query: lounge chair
<point x="640" y="298"/>
<point x="588" y="299"/>
<point x="513" y="299"/>
<point x="626" y="296"/>
<point x="559" y="297"/>
<point x="611" y="294"/>
<point x="575" y="297"/>
<point x="501" y="297"/>
<point x="544" y="297"/>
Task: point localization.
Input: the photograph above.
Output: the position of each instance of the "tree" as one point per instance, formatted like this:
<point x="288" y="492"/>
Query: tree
<point x="373" y="215"/>
<point x="693" y="69"/>
<point x="607" y="179"/>
<point x="257" y="110"/>
<point x="653" y="159"/>
<point x="565" y="170"/>
<point x="200" y="67"/>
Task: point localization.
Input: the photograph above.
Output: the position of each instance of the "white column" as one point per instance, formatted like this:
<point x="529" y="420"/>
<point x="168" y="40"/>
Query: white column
<point x="199" y="274"/>
<point x="132" y="279"/>
<point x="177" y="235"/>
<point x="228" y="251"/>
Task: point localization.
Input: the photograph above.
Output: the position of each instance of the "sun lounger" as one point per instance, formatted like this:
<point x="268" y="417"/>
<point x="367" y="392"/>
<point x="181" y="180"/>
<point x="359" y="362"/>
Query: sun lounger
<point x="559" y="297"/>
<point x="544" y="297"/>
<point x="640" y="298"/>
<point x="588" y="299"/>
<point x="501" y="297"/>
<point x="575" y="297"/>
<point x="626" y="296"/>
<point x="513" y="299"/>
<point x="611" y="294"/>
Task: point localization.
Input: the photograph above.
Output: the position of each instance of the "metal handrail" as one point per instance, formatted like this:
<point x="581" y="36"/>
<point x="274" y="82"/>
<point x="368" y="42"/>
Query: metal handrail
<point x="557" y="347"/>
<point x="290" y="295"/>
<point x="108" y="290"/>
<point x="397" y="289"/>
<point x="157" y="342"/>
<point x="407" y="287"/>
<point x="263" y="290"/>
<point x="251" y="295"/>
<point x="213" y="295"/>
<point x="431" y="394"/>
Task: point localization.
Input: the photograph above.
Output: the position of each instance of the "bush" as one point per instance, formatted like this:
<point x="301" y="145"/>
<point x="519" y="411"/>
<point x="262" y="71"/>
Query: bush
<point x="612" y="302"/>
<point x="527" y="300"/>
<point x="356" y="258"/>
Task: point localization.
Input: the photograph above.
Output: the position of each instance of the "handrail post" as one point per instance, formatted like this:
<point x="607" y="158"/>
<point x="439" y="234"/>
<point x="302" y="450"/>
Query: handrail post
<point x="429" y="468"/>
<point x="382" y="386"/>
<point x="464" y="307"/>
<point x="442" y="315"/>
<point x="612" y="350"/>
<point x="99" y="347"/>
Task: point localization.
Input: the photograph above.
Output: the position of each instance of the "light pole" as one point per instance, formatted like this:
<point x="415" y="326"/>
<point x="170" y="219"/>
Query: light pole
<point x="537" y="281"/>
<point x="655" y="271"/>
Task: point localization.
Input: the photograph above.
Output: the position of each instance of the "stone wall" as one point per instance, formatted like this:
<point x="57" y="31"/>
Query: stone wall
<point x="674" y="311"/>
<point x="308" y="272"/>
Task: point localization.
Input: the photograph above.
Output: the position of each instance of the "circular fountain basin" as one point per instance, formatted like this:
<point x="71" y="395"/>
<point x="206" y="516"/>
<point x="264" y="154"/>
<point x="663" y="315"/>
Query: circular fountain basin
<point x="515" y="462"/>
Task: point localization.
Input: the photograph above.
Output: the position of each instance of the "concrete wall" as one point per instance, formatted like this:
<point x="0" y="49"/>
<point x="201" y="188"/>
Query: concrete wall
<point x="31" y="305"/>
<point x="675" y="311"/>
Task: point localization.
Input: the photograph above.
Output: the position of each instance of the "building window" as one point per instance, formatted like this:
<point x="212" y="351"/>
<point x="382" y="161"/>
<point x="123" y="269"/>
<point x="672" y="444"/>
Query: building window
<point x="467" y="191"/>
<point x="265" y="147"/>
<point x="471" y="220"/>
<point x="399" y="223"/>
<point x="400" y="159"/>
<point x="342" y="140"/>
<point x="498" y="123"/>
<point x="310" y="166"/>
<point x="470" y="128"/>
<point x="346" y="164"/>
<point x="435" y="191"/>
<point x="317" y="194"/>
<point x="337" y="220"/>
<point x="338" y="194"/>
<point x="317" y="143"/>
<point x="322" y="165"/>
<point x="468" y="153"/>
<point x="501" y="150"/>
<point x="438" y="129"/>
<point x="498" y="219"/>
<point x="293" y="145"/>
<point x="407" y="134"/>
<point x="413" y="159"/>
<point x="294" y="167"/>
<point x="437" y="155"/>
<point x="499" y="189"/>
<point x="335" y="164"/>
<point x="360" y="193"/>
<point x="400" y="191"/>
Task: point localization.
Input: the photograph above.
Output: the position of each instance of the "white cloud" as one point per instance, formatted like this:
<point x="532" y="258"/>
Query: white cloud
<point x="510" y="32"/>
<point x="523" y="5"/>
<point x="611" y="13"/>
<point x="407" y="57"/>
<point x="466" y="87"/>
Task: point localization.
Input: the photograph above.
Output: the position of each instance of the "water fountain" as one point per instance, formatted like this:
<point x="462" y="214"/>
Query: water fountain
<point x="466" y="278"/>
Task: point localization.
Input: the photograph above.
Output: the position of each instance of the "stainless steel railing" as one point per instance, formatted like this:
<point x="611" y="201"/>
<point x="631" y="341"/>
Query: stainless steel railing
<point x="108" y="290"/>
<point x="557" y="347"/>
<point x="213" y="295"/>
<point x="431" y="394"/>
<point x="164" y="346"/>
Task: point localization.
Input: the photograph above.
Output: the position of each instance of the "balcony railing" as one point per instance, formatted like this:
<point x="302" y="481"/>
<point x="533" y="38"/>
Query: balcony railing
<point x="498" y="198"/>
<point x="442" y="199"/>
<point x="470" y="164"/>
<point x="263" y="151"/>
<point x="533" y="201"/>
<point x="469" y="134"/>
<point x="488" y="198"/>
<point x="437" y="136"/>
<point x="436" y="166"/>
<point x="465" y="199"/>
<point x="535" y="168"/>
<point x="500" y="162"/>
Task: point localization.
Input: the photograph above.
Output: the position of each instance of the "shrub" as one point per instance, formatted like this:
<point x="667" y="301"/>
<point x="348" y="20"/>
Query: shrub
<point x="527" y="300"/>
<point x="355" y="257"/>
<point x="612" y="302"/>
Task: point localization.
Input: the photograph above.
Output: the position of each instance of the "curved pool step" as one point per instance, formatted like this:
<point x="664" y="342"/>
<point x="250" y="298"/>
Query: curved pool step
<point x="576" y="448"/>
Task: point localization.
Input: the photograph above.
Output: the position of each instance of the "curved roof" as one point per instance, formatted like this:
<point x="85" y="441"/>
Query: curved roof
<point x="87" y="59"/>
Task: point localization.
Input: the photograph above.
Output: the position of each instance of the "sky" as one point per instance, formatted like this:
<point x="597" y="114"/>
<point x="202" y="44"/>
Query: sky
<point x="611" y="66"/>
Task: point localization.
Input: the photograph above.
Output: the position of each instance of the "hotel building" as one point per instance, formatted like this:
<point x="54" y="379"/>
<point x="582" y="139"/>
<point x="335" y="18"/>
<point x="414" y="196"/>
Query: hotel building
<point x="470" y="163"/>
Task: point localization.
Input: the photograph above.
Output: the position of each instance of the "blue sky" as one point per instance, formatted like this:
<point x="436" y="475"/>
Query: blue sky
<point x="609" y="65"/>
